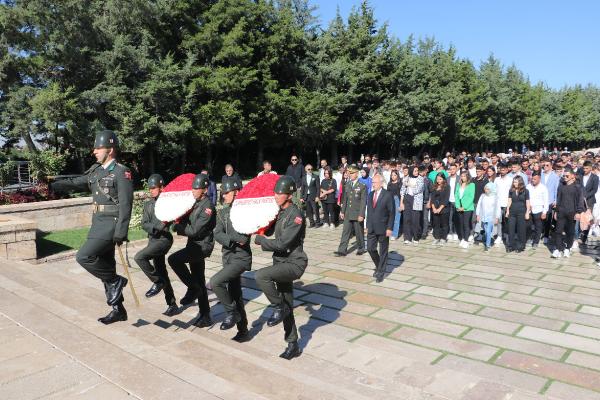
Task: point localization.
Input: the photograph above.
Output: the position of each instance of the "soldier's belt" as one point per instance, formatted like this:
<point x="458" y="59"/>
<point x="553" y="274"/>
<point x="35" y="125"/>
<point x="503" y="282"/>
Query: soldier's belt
<point x="96" y="208"/>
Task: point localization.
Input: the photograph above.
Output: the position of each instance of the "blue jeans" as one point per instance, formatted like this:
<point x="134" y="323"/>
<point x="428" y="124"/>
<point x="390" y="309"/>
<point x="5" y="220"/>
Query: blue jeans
<point x="397" y="218"/>
<point x="488" y="227"/>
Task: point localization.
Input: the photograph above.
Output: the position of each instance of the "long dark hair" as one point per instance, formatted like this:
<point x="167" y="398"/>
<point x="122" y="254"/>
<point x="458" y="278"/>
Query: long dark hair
<point x="394" y="172"/>
<point x="520" y="186"/>
<point x="441" y="185"/>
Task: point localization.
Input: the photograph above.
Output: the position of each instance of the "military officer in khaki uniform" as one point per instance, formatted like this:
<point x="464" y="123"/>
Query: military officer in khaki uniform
<point x="160" y="241"/>
<point x="352" y="210"/>
<point x="112" y="195"/>
<point x="198" y="227"/>
<point x="289" y="263"/>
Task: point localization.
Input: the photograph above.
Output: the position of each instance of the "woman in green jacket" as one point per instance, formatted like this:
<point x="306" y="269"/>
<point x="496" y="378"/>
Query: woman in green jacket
<point x="464" y="196"/>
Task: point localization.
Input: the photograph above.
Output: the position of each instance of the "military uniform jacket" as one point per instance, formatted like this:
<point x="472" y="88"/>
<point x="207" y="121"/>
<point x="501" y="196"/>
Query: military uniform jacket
<point x="354" y="201"/>
<point x="112" y="195"/>
<point x="198" y="226"/>
<point x="156" y="229"/>
<point x="289" y="230"/>
<point x="233" y="252"/>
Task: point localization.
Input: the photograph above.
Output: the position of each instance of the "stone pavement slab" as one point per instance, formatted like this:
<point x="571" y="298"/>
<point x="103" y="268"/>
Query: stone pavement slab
<point x="446" y="323"/>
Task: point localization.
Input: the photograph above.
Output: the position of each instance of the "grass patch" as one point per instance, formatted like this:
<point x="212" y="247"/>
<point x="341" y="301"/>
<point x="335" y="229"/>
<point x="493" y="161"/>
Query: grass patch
<point x="49" y="243"/>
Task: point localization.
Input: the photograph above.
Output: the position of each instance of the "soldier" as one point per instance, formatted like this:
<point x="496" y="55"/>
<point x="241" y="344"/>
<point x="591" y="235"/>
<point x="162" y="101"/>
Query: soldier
<point x="237" y="258"/>
<point x="289" y="263"/>
<point x="160" y="241"/>
<point x="198" y="227"/>
<point x="352" y="211"/>
<point x="112" y="194"/>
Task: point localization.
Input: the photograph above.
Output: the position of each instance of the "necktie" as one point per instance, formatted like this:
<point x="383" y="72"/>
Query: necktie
<point x="374" y="199"/>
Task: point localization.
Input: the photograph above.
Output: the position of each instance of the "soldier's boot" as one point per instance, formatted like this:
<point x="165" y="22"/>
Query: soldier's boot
<point x="118" y="313"/>
<point x="106" y="291"/>
<point x="203" y="321"/>
<point x="242" y="335"/>
<point x="155" y="289"/>
<point x="190" y="296"/>
<point x="281" y="311"/>
<point x="115" y="290"/>
<point x="230" y="320"/>
<point x="292" y="350"/>
<point x="172" y="309"/>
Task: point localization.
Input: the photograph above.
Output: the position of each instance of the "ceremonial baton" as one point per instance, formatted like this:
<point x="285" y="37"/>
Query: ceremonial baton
<point x="126" y="268"/>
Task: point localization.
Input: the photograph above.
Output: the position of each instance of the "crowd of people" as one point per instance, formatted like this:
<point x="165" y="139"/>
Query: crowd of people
<point x="517" y="200"/>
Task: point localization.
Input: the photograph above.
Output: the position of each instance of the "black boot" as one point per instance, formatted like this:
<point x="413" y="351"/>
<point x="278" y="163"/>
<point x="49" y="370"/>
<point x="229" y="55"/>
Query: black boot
<point x="280" y="312"/>
<point x="230" y="320"/>
<point x="155" y="289"/>
<point x="172" y="310"/>
<point x="292" y="350"/>
<point x="379" y="277"/>
<point x="118" y="313"/>
<point x="203" y="321"/>
<point x="115" y="290"/>
<point x="190" y="296"/>
<point x="241" y="336"/>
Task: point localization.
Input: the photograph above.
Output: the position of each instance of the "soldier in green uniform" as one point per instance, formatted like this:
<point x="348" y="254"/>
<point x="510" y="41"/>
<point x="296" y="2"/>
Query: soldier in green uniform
<point x="237" y="258"/>
<point x="160" y="241"/>
<point x="198" y="226"/>
<point x="352" y="210"/>
<point x="289" y="263"/>
<point x="112" y="195"/>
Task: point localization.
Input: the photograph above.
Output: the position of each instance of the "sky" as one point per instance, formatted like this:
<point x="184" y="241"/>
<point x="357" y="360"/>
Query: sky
<point x="556" y="42"/>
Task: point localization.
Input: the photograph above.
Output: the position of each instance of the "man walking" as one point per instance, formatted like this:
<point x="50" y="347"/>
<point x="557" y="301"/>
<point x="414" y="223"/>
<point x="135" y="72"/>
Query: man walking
<point x="160" y="241"/>
<point x="289" y="263"/>
<point x="112" y="195"/>
<point x="352" y="211"/>
<point x="380" y="208"/>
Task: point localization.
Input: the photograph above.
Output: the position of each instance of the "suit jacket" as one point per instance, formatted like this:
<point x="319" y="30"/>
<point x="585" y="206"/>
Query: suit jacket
<point x="354" y="201"/>
<point x="590" y="189"/>
<point x="310" y="191"/>
<point x="381" y="217"/>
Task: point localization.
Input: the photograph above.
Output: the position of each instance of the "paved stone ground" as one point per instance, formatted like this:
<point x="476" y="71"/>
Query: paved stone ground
<point x="446" y="323"/>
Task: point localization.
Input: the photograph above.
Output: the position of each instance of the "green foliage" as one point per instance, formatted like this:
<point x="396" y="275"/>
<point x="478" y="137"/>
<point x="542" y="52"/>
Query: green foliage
<point x="47" y="163"/>
<point x="181" y="79"/>
<point x="7" y="169"/>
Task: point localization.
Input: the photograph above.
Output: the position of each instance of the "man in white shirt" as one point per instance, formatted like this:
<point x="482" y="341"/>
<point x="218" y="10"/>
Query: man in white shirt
<point x="266" y="169"/>
<point x="322" y="170"/>
<point x="503" y="183"/>
<point x="540" y="202"/>
<point x="471" y="167"/>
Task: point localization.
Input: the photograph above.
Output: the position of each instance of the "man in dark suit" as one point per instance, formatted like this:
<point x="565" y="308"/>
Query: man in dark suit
<point x="380" y="222"/>
<point x="589" y="182"/>
<point x="310" y="193"/>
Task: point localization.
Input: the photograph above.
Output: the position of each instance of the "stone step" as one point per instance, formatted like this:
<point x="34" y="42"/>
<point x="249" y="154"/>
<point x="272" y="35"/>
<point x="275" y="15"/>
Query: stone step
<point x="220" y="356"/>
<point x="370" y="367"/>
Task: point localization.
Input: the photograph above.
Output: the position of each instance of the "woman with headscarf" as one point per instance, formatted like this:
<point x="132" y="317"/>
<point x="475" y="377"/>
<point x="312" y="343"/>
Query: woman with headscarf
<point x="411" y="202"/>
<point x="488" y="212"/>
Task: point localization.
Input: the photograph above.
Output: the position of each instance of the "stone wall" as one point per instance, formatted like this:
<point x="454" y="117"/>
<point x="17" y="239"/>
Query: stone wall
<point x="53" y="215"/>
<point x="17" y="238"/>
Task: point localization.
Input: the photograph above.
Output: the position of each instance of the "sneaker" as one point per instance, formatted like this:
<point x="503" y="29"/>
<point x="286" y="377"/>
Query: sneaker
<point x="555" y="254"/>
<point x="575" y="245"/>
<point x="470" y="240"/>
<point x="567" y="253"/>
<point x="415" y="242"/>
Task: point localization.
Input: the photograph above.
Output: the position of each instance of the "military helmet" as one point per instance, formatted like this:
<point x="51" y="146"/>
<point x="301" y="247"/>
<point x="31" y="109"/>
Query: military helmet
<point x="200" y="181"/>
<point x="285" y="185"/>
<point x="229" y="185"/>
<point x="155" y="180"/>
<point x="106" y="138"/>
